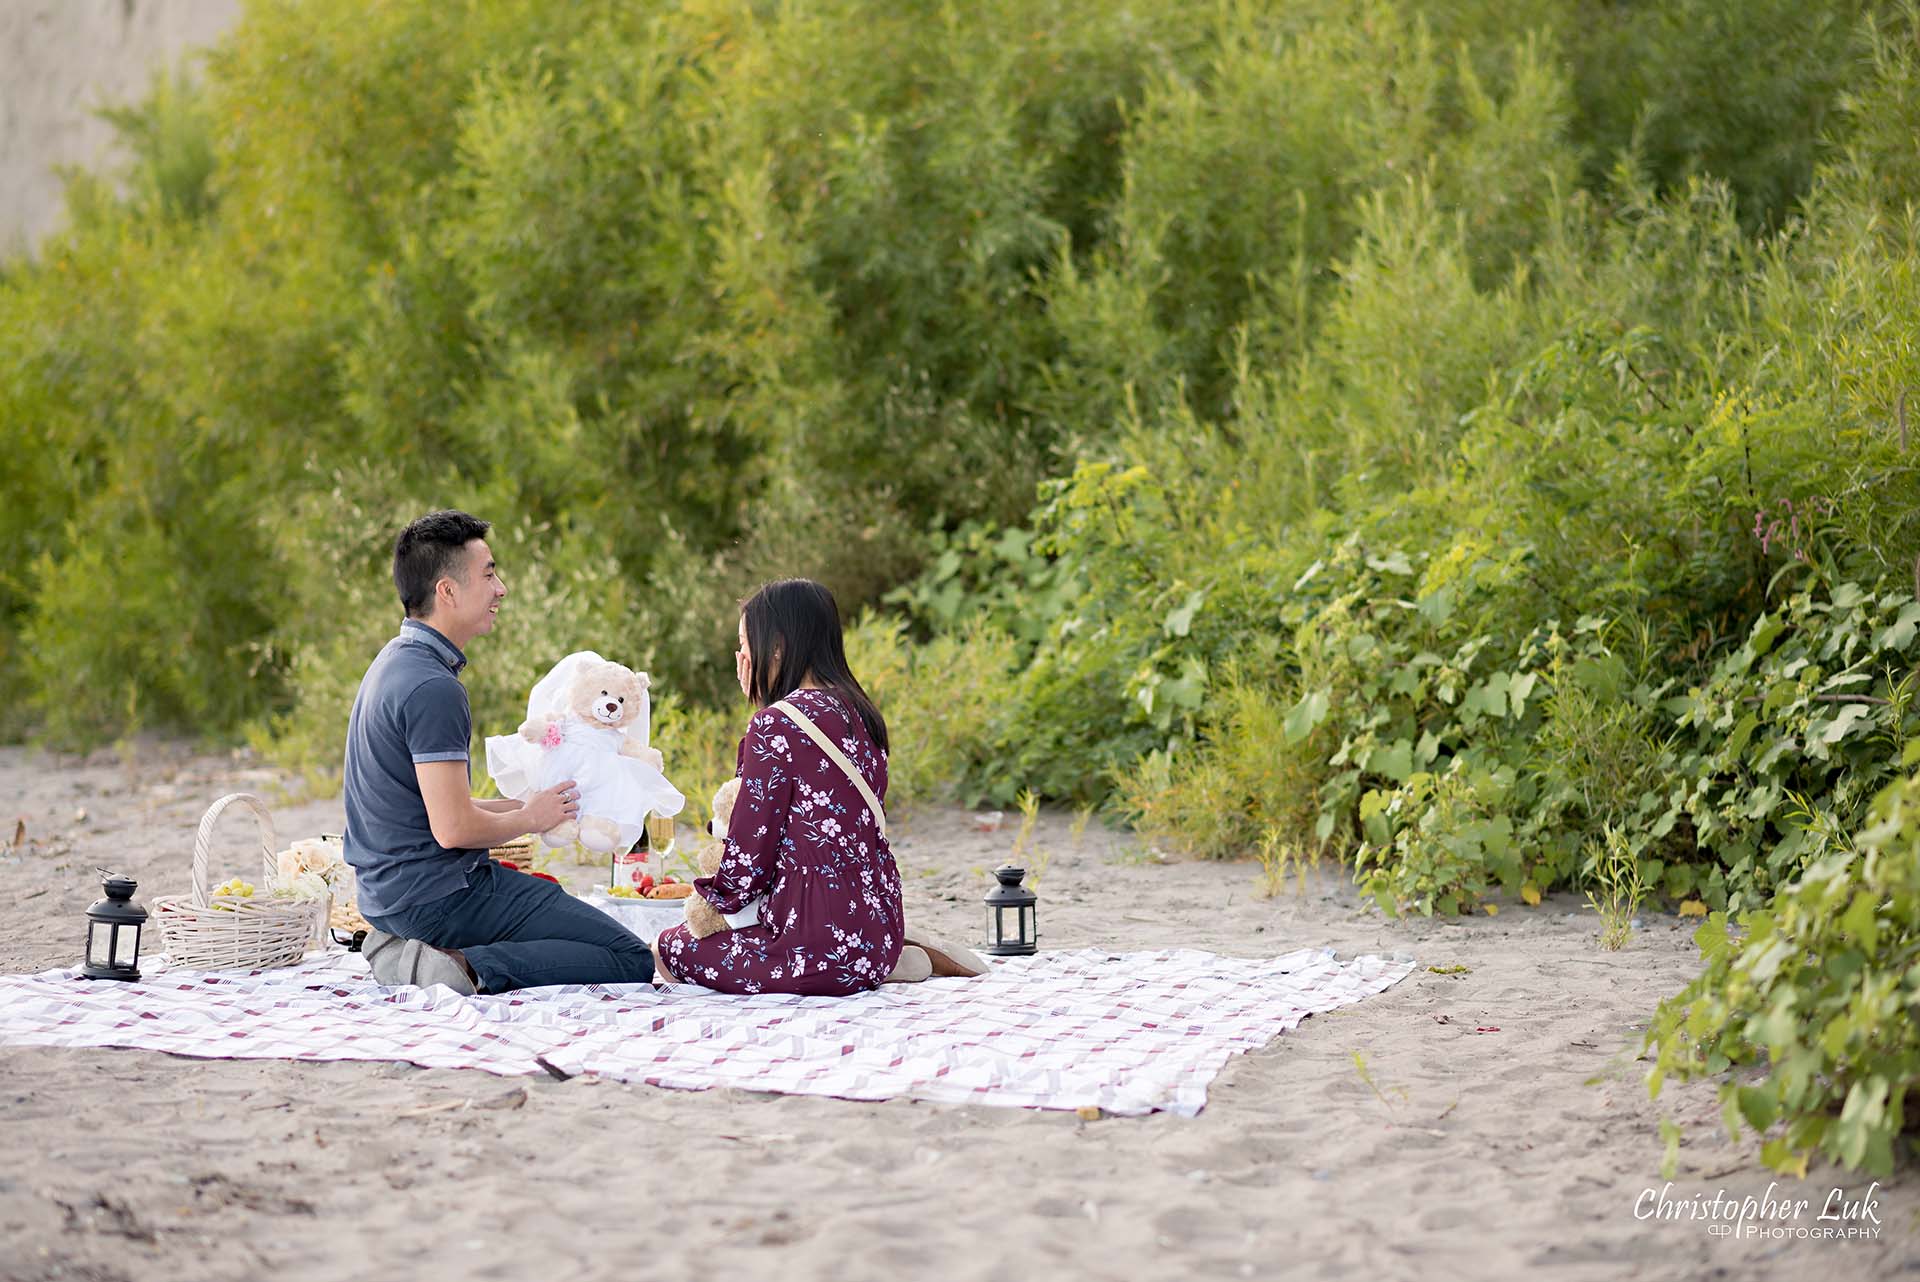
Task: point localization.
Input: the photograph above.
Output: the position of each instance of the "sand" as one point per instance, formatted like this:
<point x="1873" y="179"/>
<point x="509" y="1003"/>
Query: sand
<point x="1490" y="1155"/>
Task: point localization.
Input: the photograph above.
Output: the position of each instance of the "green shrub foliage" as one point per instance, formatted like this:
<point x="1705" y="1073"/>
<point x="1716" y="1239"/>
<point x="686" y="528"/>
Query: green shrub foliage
<point x="1810" y="1002"/>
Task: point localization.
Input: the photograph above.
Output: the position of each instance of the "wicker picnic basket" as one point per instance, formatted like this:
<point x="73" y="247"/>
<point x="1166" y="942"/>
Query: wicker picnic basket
<point x="230" y="932"/>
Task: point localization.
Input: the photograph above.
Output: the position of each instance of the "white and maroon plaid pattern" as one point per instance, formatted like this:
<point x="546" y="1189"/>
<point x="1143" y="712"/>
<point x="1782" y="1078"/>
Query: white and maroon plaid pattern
<point x="1129" y="1032"/>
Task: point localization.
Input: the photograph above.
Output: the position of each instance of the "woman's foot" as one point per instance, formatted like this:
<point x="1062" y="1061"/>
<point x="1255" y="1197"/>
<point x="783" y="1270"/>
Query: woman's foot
<point x="951" y="960"/>
<point x="913" y="966"/>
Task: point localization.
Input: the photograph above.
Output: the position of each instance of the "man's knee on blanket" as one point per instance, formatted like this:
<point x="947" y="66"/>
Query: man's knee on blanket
<point x="636" y="961"/>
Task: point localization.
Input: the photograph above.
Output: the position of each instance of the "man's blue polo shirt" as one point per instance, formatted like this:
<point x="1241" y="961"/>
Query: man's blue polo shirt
<point x="411" y="708"/>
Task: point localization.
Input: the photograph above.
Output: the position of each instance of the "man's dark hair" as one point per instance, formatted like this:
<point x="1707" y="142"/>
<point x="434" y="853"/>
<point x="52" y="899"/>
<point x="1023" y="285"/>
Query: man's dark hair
<point x="793" y="630"/>
<point x="428" y="551"/>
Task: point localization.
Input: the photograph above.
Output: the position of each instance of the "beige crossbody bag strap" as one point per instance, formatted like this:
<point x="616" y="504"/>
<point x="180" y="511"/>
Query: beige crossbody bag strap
<point x="838" y="758"/>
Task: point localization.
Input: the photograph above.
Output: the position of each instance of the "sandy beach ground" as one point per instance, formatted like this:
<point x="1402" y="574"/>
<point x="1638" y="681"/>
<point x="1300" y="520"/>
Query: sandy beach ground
<point x="1512" y="1154"/>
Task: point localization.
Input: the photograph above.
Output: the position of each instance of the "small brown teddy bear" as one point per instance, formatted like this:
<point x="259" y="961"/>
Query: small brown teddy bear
<point x="702" y="918"/>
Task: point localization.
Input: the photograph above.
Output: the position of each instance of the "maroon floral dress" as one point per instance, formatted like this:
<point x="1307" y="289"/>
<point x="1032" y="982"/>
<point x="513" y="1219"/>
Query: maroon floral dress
<point x="802" y="835"/>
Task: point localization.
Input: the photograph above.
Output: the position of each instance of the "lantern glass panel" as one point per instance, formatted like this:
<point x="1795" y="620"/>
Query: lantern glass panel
<point x="126" y="945"/>
<point x="98" y="953"/>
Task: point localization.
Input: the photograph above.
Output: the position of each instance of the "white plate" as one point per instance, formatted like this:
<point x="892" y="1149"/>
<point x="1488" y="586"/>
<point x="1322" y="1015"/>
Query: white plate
<point x="648" y="917"/>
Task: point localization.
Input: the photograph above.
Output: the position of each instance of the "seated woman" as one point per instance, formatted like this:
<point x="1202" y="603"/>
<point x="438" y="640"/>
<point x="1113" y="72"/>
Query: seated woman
<point x="803" y="833"/>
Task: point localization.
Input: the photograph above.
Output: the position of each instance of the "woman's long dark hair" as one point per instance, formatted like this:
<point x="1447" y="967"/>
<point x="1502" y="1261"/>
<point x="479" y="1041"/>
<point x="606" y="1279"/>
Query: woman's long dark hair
<point x="793" y="630"/>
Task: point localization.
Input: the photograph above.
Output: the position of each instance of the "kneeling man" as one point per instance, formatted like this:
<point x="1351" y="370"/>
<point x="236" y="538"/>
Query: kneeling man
<point x="443" y="912"/>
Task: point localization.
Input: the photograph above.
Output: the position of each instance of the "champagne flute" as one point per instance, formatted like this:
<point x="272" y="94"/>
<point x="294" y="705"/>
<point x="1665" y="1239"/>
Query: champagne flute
<point x="660" y="841"/>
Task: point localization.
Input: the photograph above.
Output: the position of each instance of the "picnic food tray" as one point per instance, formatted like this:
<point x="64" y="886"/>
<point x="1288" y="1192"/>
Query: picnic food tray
<point x="646" y="918"/>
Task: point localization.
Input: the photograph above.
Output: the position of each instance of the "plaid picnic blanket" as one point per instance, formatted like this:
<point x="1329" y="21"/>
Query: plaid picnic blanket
<point x="1128" y="1032"/>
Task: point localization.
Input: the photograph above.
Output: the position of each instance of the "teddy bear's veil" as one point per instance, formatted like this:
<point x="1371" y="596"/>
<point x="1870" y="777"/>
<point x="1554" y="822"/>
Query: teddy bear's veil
<point x="549" y="697"/>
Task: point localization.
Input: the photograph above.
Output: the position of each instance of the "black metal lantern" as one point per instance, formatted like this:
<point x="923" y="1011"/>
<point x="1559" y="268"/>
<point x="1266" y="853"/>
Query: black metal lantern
<point x="1011" y="928"/>
<point x="113" y="931"/>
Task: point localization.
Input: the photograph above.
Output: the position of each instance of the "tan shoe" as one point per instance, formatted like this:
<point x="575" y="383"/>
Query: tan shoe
<point x="951" y="960"/>
<point x="913" y="966"/>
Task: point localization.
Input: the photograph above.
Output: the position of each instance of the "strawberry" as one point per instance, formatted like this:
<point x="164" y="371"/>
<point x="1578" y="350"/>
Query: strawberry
<point x="545" y="877"/>
<point x="646" y="882"/>
<point x="508" y="863"/>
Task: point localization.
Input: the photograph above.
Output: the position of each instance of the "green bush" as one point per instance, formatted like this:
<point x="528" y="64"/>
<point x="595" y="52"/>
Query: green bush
<point x="1793" y="733"/>
<point x="1815" y="992"/>
<point x="1252" y="783"/>
<point x="1741" y="89"/>
<point x="712" y="293"/>
<point x="943" y="703"/>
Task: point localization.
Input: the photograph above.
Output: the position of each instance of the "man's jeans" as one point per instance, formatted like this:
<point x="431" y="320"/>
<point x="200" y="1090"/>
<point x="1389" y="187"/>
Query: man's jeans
<point x="522" y="932"/>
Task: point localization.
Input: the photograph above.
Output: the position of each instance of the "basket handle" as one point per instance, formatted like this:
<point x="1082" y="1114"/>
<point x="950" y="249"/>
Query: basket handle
<point x="203" y="839"/>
